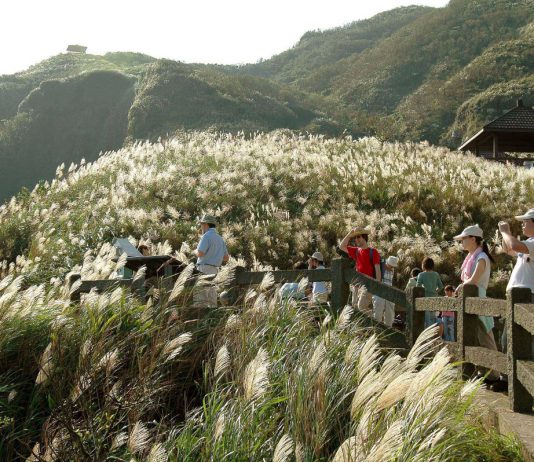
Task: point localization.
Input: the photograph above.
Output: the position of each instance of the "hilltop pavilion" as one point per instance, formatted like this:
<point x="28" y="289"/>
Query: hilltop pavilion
<point x="513" y="132"/>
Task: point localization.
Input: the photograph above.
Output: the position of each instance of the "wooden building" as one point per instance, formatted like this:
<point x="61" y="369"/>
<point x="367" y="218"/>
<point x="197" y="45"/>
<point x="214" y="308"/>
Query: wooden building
<point x="511" y="133"/>
<point x="76" y="49"/>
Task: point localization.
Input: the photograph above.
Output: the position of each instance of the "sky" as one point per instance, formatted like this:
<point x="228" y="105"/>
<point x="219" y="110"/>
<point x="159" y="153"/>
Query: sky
<point x="203" y="31"/>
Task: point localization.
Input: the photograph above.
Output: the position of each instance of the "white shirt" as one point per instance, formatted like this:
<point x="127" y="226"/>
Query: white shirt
<point x="319" y="287"/>
<point x="523" y="272"/>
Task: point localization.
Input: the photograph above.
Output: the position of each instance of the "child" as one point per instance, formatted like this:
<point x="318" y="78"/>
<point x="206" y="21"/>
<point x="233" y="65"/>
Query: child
<point x="431" y="281"/>
<point x="412" y="282"/>
<point x="447" y="318"/>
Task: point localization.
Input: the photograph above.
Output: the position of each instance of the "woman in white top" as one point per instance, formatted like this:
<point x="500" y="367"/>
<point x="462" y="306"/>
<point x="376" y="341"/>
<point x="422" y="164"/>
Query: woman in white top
<point x="476" y="270"/>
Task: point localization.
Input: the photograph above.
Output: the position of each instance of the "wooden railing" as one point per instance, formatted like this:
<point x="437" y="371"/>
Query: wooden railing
<point x="518" y="310"/>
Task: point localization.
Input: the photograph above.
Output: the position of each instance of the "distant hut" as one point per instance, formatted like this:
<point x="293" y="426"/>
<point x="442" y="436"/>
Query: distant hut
<point x="76" y="49"/>
<point x="513" y="132"/>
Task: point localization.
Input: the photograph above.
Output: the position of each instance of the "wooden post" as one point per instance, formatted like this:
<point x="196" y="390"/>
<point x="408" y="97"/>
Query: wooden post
<point x="233" y="287"/>
<point x="74" y="297"/>
<point x="340" y="289"/>
<point x="138" y="288"/>
<point x="495" y="147"/>
<point x="519" y="347"/>
<point x="467" y="327"/>
<point x="415" y="320"/>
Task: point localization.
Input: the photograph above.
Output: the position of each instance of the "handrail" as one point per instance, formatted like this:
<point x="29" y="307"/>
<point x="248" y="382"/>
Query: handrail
<point x="517" y="309"/>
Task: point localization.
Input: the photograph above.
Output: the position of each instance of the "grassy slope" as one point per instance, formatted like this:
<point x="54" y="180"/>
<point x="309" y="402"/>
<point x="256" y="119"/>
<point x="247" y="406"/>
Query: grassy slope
<point x="279" y="198"/>
<point x="118" y="378"/>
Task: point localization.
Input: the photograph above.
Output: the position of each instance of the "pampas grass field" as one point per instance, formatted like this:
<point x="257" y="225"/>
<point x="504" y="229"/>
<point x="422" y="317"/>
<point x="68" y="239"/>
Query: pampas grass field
<point x="119" y="378"/>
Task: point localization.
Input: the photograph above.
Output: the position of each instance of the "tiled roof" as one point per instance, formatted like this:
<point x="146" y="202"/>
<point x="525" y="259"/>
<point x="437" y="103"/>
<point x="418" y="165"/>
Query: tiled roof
<point x="519" y="118"/>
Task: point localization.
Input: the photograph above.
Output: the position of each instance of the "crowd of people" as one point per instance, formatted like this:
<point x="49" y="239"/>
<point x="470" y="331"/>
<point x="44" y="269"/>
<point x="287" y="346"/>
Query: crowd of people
<point x="211" y="253"/>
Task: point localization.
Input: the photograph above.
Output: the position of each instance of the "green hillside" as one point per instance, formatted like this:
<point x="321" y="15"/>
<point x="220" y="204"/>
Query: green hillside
<point x="410" y="79"/>
<point x="14" y="88"/>
<point x="173" y="95"/>
<point x="63" y="121"/>
<point x="318" y="50"/>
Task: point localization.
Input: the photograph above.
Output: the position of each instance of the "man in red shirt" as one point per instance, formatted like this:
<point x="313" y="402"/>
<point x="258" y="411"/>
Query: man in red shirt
<point x="361" y="254"/>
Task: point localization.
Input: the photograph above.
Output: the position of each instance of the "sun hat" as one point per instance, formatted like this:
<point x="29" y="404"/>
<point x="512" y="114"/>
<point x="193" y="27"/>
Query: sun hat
<point x="526" y="216"/>
<point x="361" y="231"/>
<point x="317" y="256"/>
<point x="473" y="230"/>
<point x="392" y="261"/>
<point x="208" y="219"/>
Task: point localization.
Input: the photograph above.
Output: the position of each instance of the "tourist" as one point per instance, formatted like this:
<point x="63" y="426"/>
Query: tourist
<point x="412" y="282"/>
<point x="367" y="262"/>
<point x="319" y="292"/>
<point x="384" y="310"/>
<point x="447" y="319"/>
<point x="523" y="272"/>
<point x="431" y="282"/>
<point x="476" y="269"/>
<point x="211" y="253"/>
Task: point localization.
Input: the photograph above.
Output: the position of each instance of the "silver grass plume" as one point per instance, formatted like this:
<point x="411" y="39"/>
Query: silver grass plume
<point x="369" y="357"/>
<point x="157" y="454"/>
<point x="220" y="425"/>
<point x="139" y="438"/>
<point x="6" y="281"/>
<point x="395" y="391"/>
<point x="119" y="440"/>
<point x="389" y="445"/>
<point x="222" y="362"/>
<point x="45" y="366"/>
<point x="256" y="378"/>
<point x="424" y="345"/>
<point x="174" y="346"/>
<point x="347" y="452"/>
<point x="109" y="361"/>
<point x="140" y="274"/>
<point x="267" y="282"/>
<point x="179" y="285"/>
<point x="283" y="449"/>
<point x="367" y="389"/>
<point x="303" y="283"/>
<point x="344" y="318"/>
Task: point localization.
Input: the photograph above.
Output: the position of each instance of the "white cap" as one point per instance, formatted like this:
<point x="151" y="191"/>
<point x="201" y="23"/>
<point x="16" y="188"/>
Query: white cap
<point x="392" y="261"/>
<point x="526" y="216"/>
<point x="473" y="230"/>
<point x="318" y="256"/>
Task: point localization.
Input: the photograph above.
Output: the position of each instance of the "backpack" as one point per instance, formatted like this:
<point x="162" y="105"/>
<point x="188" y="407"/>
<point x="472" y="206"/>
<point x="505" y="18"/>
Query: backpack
<point x="382" y="263"/>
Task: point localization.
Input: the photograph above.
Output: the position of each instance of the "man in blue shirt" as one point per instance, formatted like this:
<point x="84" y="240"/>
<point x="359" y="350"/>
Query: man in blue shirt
<point x="211" y="254"/>
<point x="211" y="250"/>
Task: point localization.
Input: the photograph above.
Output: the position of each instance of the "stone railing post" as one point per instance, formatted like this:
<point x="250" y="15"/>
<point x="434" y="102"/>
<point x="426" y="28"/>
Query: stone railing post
<point x="519" y="347"/>
<point x="467" y="327"/>
<point x="415" y="320"/>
